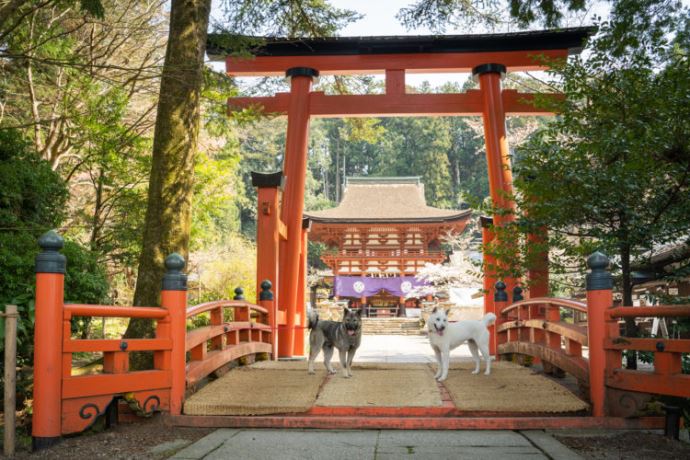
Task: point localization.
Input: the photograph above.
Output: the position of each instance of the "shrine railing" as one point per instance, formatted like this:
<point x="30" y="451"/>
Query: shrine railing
<point x="236" y="328"/>
<point x="535" y="327"/>
<point x="66" y="402"/>
<point x="667" y="377"/>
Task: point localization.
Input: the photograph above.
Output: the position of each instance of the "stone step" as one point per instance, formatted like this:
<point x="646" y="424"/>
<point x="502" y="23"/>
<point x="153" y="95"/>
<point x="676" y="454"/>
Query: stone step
<point x="391" y="326"/>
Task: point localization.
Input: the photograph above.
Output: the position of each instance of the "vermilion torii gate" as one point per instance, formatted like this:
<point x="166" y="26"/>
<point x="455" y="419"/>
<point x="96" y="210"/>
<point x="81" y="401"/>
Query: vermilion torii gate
<point x="488" y="57"/>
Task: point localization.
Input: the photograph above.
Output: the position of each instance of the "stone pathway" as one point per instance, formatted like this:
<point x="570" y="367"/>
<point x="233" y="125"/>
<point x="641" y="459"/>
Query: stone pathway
<point x="250" y="444"/>
<point x="400" y="349"/>
<point x="380" y="444"/>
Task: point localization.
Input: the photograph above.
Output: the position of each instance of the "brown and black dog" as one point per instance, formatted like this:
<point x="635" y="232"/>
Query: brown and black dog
<point x="345" y="335"/>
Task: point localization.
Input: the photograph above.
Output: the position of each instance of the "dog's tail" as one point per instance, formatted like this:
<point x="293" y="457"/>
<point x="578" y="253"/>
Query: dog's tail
<point x="489" y="319"/>
<point x="313" y="318"/>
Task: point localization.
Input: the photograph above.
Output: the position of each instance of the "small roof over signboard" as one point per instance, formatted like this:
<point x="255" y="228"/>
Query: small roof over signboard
<point x="385" y="200"/>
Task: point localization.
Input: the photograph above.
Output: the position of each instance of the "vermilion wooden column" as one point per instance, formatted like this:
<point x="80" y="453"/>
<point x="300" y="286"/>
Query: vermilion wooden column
<point x="295" y="169"/>
<point x="268" y="241"/>
<point x="50" y="282"/>
<point x="497" y="153"/>
<point x="599" y="299"/>
<point x="489" y="278"/>
<point x="301" y="291"/>
<point x="174" y="299"/>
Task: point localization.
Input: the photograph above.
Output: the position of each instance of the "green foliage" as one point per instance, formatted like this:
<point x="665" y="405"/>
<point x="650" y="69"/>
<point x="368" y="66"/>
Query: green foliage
<point x="223" y="267"/>
<point x="439" y="14"/>
<point x="612" y="172"/>
<point x="32" y="199"/>
<point x="311" y="18"/>
<point x="32" y="196"/>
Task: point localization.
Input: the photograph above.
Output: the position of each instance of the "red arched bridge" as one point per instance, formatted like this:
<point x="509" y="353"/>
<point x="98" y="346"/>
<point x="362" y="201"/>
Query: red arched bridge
<point x="185" y="351"/>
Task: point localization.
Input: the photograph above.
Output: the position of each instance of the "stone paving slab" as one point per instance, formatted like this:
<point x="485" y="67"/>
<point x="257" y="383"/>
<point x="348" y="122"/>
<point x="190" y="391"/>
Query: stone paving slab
<point x="374" y="444"/>
<point x="464" y="438"/>
<point x="207" y="444"/>
<point x="460" y="453"/>
<point x="548" y="443"/>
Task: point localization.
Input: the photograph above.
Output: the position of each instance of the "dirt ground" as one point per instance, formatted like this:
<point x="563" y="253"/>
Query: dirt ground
<point x="151" y="439"/>
<point x="627" y="445"/>
<point x="148" y="439"/>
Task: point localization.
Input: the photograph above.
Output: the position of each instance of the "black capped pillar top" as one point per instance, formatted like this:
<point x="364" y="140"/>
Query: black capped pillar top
<point x="301" y="72"/>
<point x="489" y="68"/>
<point x="599" y="278"/>
<point x="268" y="180"/>
<point x="239" y="294"/>
<point x="266" y="293"/>
<point x="49" y="260"/>
<point x="486" y="221"/>
<point x="174" y="279"/>
<point x="517" y="294"/>
<point x="306" y="223"/>
<point x="500" y="295"/>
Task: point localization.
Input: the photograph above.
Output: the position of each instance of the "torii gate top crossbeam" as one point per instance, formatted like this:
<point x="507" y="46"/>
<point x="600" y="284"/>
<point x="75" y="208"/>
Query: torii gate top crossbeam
<point x="413" y="54"/>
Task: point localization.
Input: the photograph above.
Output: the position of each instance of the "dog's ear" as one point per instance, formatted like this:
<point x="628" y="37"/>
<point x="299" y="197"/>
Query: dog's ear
<point x="359" y="312"/>
<point x="448" y="312"/>
<point x="434" y="310"/>
<point x="346" y="310"/>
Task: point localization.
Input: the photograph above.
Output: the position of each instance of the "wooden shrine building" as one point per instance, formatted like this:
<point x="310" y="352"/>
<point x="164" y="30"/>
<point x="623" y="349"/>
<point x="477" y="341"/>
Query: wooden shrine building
<point x="379" y="237"/>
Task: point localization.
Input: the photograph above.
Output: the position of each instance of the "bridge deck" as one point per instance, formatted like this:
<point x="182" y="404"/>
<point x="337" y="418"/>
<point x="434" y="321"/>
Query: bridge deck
<point x="392" y="396"/>
<point x="384" y="389"/>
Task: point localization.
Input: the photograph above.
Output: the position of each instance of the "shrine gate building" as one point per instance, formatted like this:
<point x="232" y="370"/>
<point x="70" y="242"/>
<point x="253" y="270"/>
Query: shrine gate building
<point x="379" y="237"/>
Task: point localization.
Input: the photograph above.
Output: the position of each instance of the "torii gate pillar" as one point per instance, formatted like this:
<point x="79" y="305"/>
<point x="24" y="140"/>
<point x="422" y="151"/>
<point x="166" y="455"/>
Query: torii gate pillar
<point x="292" y="209"/>
<point x="497" y="153"/>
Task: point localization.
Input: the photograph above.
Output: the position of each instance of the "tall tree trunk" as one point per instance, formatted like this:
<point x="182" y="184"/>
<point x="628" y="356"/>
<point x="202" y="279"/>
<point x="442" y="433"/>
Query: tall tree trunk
<point x="168" y="215"/>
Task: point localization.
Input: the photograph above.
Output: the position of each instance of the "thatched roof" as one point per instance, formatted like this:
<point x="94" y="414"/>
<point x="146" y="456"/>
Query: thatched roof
<point x="385" y="200"/>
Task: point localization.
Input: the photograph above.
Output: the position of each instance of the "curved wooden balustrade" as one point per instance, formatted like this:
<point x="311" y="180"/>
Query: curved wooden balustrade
<point x="85" y="397"/>
<point x="667" y="377"/>
<point x="534" y="327"/>
<point x="210" y="347"/>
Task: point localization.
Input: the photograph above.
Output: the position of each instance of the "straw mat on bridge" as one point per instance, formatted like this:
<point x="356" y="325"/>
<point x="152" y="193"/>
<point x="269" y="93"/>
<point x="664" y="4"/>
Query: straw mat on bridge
<point x="257" y="391"/>
<point x="509" y="388"/>
<point x="382" y="385"/>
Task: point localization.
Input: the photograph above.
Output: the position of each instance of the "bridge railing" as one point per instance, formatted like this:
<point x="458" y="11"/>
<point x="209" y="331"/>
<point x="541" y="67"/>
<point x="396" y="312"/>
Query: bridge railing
<point x="667" y="377"/>
<point x="534" y="327"/>
<point x="65" y="402"/>
<point x="236" y="328"/>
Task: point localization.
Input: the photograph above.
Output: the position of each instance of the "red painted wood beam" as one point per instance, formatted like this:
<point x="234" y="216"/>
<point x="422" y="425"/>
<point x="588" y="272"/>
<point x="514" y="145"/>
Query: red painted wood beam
<point x="392" y="105"/>
<point x="272" y="66"/>
<point x="414" y="423"/>
<point x="646" y="382"/>
<point x="630" y="343"/>
<point x="103" y="384"/>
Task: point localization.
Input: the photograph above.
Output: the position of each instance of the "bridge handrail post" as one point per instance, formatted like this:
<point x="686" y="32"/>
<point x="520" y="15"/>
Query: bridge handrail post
<point x="267" y="301"/>
<point x="500" y="302"/>
<point x="50" y="283"/>
<point x="174" y="299"/>
<point x="488" y="264"/>
<point x="599" y="299"/>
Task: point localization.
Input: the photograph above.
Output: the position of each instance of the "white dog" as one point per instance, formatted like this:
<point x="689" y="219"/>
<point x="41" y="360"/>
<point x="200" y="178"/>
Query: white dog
<point x="446" y="336"/>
